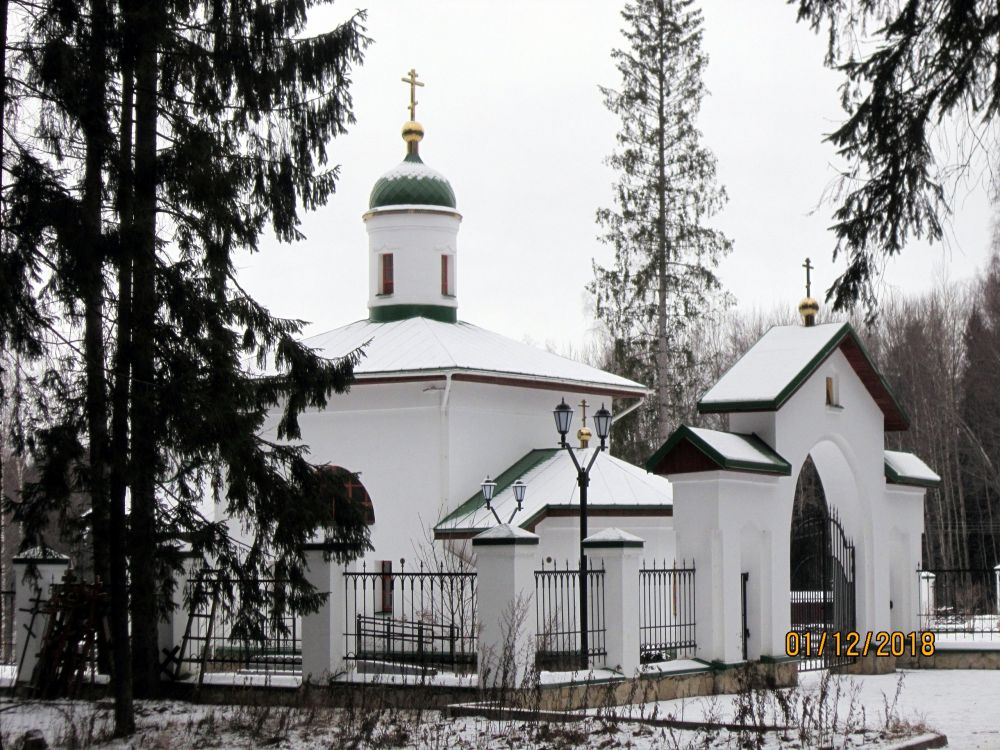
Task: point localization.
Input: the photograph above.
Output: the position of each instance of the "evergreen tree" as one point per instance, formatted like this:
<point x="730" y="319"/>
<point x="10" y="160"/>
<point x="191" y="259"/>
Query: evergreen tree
<point x="662" y="281"/>
<point x="222" y="114"/>
<point x="980" y="412"/>
<point x="910" y="69"/>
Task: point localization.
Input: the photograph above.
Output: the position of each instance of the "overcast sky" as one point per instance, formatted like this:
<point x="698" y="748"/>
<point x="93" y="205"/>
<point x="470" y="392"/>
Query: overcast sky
<point x="514" y="120"/>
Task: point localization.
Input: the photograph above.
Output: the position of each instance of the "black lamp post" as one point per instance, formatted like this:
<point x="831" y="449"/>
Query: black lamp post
<point x="489" y="487"/>
<point x="563" y="414"/>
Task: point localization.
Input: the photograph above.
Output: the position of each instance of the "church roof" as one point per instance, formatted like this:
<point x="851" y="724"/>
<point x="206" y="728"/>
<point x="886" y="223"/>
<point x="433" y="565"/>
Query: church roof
<point x="616" y="488"/>
<point x="421" y="346"/>
<point x="412" y="183"/>
<point x="906" y="468"/>
<point x="776" y="366"/>
<point x="691" y="449"/>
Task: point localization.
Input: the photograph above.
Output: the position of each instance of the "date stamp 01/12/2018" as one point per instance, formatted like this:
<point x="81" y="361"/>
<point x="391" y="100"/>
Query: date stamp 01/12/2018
<point x="853" y="644"/>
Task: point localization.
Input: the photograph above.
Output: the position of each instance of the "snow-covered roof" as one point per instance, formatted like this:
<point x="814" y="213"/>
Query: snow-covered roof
<point x="691" y="449"/>
<point x="425" y="346"/>
<point x="551" y="479"/>
<point x="906" y="468"/>
<point x="783" y="359"/>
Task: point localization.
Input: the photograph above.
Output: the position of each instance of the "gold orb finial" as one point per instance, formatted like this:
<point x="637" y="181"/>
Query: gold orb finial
<point x="413" y="132"/>
<point x="808" y="309"/>
<point x="584" y="435"/>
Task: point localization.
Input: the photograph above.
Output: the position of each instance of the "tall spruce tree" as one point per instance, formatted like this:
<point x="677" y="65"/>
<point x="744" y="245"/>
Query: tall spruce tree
<point x="222" y="114"/>
<point x="662" y="282"/>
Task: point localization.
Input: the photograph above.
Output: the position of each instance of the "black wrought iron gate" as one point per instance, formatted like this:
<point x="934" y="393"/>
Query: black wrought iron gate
<point x="822" y="592"/>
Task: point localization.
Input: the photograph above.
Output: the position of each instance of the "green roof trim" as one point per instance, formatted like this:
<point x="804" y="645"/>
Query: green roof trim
<point x="429" y="189"/>
<point x="846" y="330"/>
<point x="390" y="313"/>
<point x="894" y="477"/>
<point x="778" y="465"/>
<point x="505" y="479"/>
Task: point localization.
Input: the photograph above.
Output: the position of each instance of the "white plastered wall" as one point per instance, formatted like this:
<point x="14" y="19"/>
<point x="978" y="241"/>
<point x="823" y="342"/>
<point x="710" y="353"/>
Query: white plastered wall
<point x="423" y="448"/>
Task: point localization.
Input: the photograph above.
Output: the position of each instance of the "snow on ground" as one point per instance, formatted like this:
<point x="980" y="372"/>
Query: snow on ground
<point x="965" y="705"/>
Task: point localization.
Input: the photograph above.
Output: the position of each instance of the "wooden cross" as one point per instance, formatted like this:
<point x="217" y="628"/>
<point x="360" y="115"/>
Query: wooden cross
<point x="583" y="405"/>
<point x="412" y="80"/>
<point x="808" y="266"/>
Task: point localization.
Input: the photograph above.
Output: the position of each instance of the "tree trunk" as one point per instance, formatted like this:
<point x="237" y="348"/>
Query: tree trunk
<point x="92" y="250"/>
<point x="124" y="713"/>
<point x="143" y="540"/>
<point x="662" y="354"/>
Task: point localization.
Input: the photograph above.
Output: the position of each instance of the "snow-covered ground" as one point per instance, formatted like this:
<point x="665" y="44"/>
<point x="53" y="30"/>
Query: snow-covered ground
<point x="964" y="705"/>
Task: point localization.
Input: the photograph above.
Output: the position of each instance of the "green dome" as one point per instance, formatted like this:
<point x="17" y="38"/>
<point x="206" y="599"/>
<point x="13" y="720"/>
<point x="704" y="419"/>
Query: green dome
<point x="412" y="183"/>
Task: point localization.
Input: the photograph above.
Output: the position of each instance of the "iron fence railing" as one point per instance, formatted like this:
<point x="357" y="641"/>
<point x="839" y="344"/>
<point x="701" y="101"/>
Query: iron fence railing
<point x="960" y="604"/>
<point x="223" y="636"/>
<point x="666" y="612"/>
<point x="557" y="602"/>
<point x="420" y="618"/>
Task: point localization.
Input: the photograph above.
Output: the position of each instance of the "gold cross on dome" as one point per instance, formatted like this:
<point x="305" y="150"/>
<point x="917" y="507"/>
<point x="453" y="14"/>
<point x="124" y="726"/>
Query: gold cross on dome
<point x="411" y="78"/>
<point x="583" y="405"/>
<point x="808" y="266"/>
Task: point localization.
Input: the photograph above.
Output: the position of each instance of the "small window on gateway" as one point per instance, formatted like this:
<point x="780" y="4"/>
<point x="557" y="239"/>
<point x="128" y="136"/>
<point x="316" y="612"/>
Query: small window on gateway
<point x="832" y="397"/>
<point x="386" y="285"/>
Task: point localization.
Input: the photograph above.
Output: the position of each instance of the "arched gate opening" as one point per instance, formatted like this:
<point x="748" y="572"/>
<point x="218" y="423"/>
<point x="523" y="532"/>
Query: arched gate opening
<point x="822" y="578"/>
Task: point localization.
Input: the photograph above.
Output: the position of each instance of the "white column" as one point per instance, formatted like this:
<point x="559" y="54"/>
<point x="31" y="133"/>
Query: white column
<point x="171" y="631"/>
<point x="620" y="553"/>
<point x="28" y="630"/>
<point x="322" y="631"/>
<point x="926" y="596"/>
<point x="505" y="567"/>
<point x="996" y="575"/>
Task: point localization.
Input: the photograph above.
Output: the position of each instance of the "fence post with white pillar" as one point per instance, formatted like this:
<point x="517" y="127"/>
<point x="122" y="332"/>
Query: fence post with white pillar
<point x="505" y="567"/>
<point x="620" y="553"/>
<point x="926" y="609"/>
<point x="30" y="594"/>
<point x="322" y="636"/>
<point x="171" y="630"/>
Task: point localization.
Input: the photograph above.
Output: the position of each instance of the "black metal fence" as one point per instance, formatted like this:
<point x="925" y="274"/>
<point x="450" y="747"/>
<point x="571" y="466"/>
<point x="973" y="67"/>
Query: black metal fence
<point x="557" y="602"/>
<point x="422" y="618"/>
<point x="8" y="653"/>
<point x="223" y="637"/>
<point x="960" y="604"/>
<point x="666" y="612"/>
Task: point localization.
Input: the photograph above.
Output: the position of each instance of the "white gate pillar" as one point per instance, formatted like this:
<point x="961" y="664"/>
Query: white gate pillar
<point x="28" y="630"/>
<point x="505" y="567"/>
<point x="322" y="634"/>
<point x="996" y="575"/>
<point x="926" y="609"/>
<point x="620" y="553"/>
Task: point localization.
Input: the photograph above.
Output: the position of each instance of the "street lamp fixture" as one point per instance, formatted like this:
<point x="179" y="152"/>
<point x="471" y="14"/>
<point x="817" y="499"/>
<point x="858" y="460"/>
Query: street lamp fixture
<point x="489" y="488"/>
<point x="563" y="414"/>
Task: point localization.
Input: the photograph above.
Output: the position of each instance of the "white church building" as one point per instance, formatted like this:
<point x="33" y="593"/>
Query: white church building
<point x="439" y="404"/>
